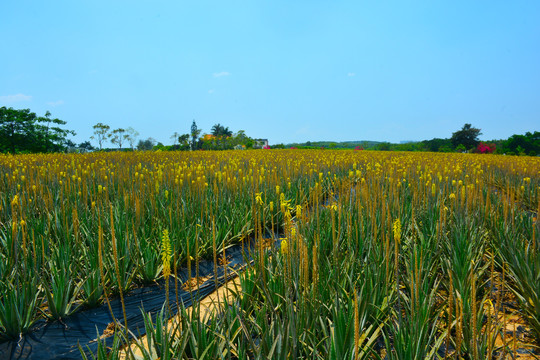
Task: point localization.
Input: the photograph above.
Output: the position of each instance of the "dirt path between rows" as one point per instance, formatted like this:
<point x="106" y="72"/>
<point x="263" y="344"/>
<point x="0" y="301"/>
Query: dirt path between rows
<point x="207" y="306"/>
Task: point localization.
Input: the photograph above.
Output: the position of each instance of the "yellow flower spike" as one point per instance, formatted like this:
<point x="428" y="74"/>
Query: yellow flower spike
<point x="166" y="253"/>
<point x="298" y="210"/>
<point x="397" y="230"/>
<point x="284" y="248"/>
<point x="258" y="198"/>
<point x="15" y="200"/>
<point x="287" y="215"/>
<point x="271" y="206"/>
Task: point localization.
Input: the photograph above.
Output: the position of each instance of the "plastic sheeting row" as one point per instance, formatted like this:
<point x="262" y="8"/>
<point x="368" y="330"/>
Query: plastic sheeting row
<point x="61" y="340"/>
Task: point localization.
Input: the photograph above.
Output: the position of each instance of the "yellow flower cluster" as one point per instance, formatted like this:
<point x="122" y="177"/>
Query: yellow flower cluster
<point x="166" y="253"/>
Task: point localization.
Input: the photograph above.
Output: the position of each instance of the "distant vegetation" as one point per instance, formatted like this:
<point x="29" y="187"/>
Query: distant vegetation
<point x="464" y="140"/>
<point x="22" y="131"/>
<point x="335" y="145"/>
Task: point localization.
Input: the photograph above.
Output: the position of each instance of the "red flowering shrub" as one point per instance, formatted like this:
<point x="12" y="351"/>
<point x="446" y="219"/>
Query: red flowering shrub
<point x="484" y="148"/>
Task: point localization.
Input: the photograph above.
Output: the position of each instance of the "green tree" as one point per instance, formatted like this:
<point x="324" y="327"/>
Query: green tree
<point x="51" y="137"/>
<point x="183" y="141"/>
<point x="195" y="132"/>
<point x="519" y="144"/>
<point x="436" y="144"/>
<point x="101" y="134"/>
<point x="240" y="138"/>
<point x="174" y="138"/>
<point x="15" y="127"/>
<point x="23" y="131"/>
<point x="132" y="135"/>
<point x="147" y="144"/>
<point x="85" y="146"/>
<point x="384" y="146"/>
<point x="220" y="131"/>
<point x="467" y="136"/>
<point x="461" y="148"/>
<point x="119" y="136"/>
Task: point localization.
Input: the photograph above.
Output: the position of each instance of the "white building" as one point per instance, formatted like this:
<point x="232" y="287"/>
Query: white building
<point x="260" y="143"/>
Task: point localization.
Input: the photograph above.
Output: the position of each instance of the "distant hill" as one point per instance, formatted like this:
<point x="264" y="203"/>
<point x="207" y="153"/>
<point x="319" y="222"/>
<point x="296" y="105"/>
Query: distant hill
<point x="336" y="144"/>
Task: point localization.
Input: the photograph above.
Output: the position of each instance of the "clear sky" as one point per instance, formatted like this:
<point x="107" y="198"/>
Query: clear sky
<point x="289" y="71"/>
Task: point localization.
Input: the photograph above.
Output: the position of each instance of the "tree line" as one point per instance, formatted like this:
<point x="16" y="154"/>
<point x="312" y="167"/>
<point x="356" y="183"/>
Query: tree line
<point x="220" y="138"/>
<point x="463" y="140"/>
<point x="22" y="131"/>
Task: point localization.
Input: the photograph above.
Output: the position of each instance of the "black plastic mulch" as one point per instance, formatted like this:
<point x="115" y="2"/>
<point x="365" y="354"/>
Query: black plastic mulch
<point x="60" y="340"/>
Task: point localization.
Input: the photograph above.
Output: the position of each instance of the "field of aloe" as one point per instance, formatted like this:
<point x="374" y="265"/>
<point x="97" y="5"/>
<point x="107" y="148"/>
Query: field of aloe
<point x="360" y="254"/>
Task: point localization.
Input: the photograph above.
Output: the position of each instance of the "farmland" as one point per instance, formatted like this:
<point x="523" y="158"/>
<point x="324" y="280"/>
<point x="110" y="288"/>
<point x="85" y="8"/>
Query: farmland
<point x="404" y="255"/>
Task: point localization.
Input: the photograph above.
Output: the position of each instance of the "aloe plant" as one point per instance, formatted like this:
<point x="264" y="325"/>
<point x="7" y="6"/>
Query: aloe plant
<point x="18" y="306"/>
<point x="463" y="258"/>
<point x="523" y="263"/>
<point x="162" y="340"/>
<point x="61" y="289"/>
<point x="413" y="332"/>
<point x="103" y="351"/>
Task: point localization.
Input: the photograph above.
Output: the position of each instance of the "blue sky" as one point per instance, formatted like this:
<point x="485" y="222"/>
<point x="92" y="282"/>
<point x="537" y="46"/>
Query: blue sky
<point x="289" y="71"/>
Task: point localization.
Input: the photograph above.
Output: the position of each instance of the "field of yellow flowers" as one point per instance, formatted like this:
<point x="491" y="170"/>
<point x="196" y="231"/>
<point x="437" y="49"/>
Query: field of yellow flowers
<point x="404" y="255"/>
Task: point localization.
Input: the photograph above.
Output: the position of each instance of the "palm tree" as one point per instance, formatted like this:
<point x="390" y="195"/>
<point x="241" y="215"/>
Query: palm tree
<point x="220" y="131"/>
